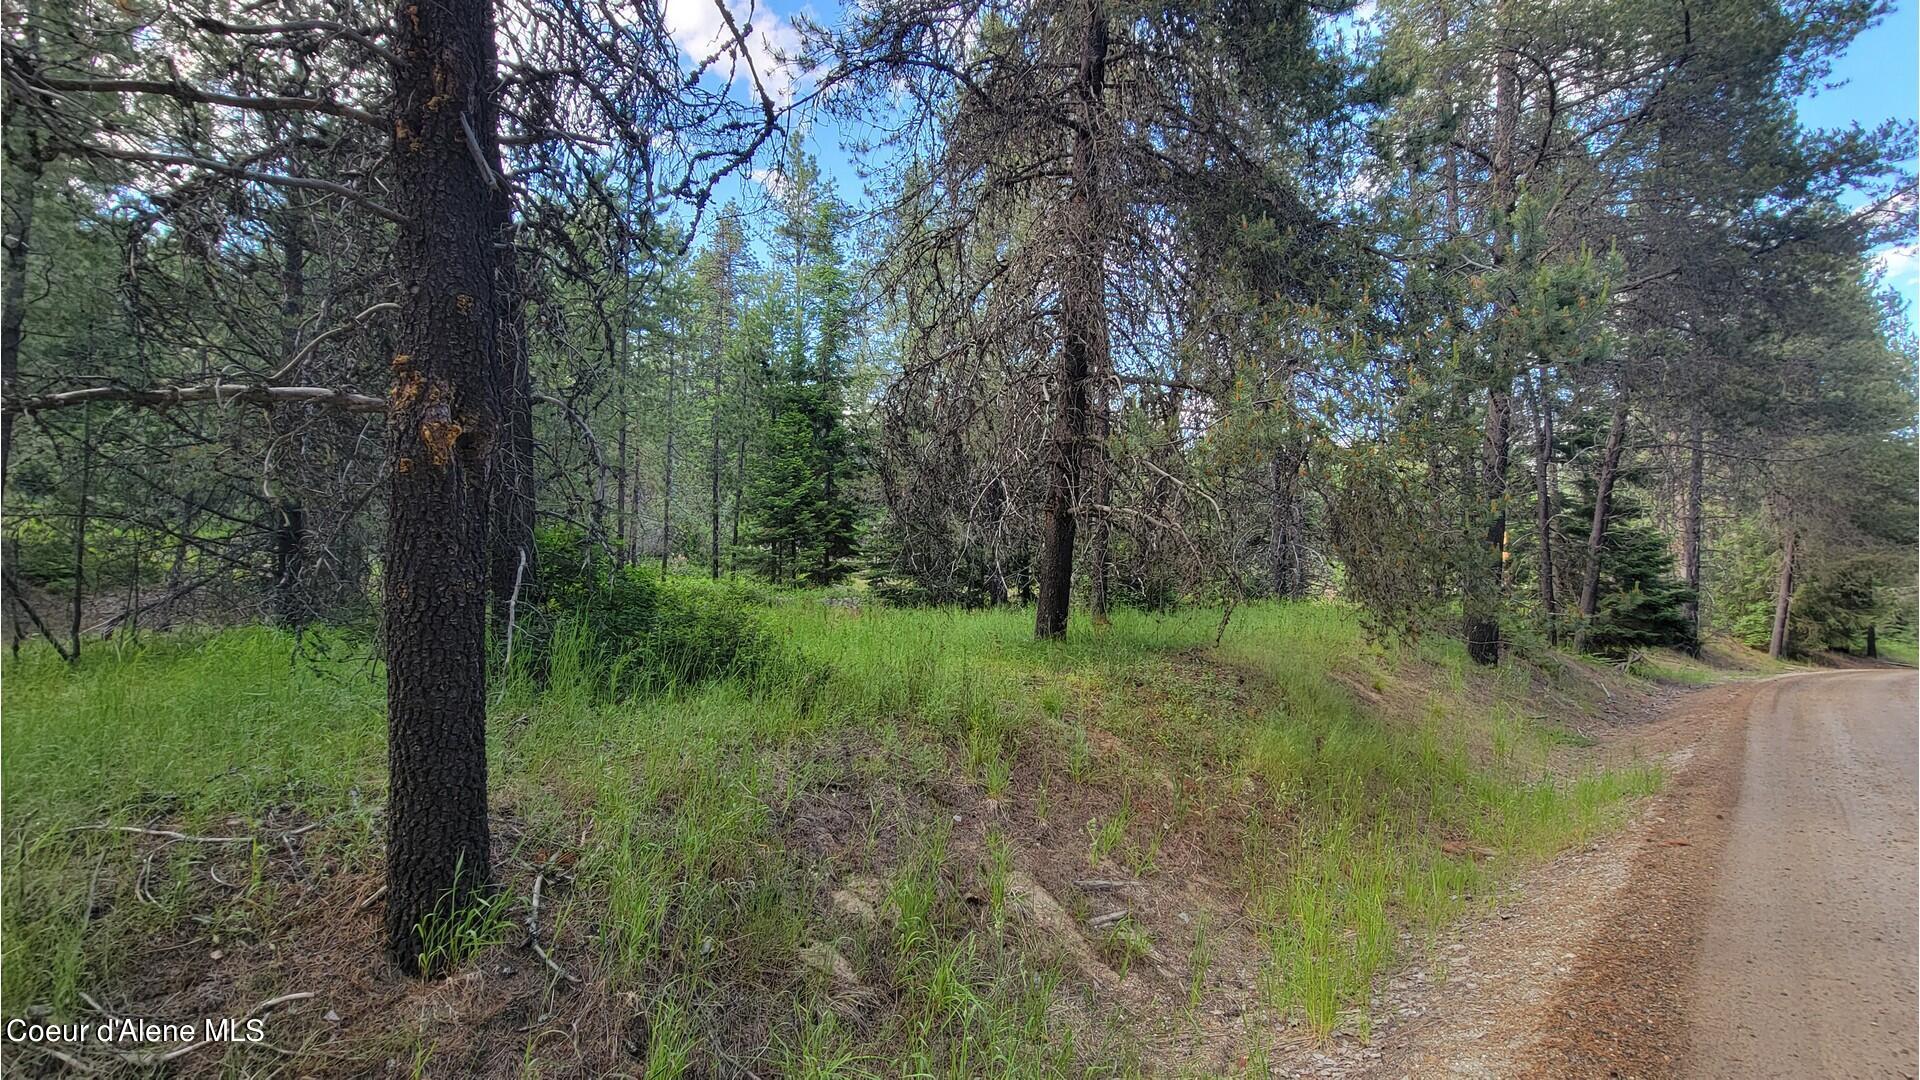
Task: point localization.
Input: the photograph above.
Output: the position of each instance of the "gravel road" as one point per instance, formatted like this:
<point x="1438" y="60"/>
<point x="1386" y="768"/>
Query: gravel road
<point x="1808" y="964"/>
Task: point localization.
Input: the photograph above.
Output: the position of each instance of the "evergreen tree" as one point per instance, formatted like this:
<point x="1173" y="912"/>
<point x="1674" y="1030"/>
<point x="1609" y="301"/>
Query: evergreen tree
<point x="802" y="500"/>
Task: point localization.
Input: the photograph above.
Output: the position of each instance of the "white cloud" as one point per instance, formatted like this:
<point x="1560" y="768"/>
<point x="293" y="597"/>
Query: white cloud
<point x="773" y="179"/>
<point x="701" y="31"/>
<point x="1901" y="264"/>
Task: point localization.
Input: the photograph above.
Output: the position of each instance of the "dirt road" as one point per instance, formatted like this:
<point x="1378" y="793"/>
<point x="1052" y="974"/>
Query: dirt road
<point x="1808" y="966"/>
<point x="1757" y="920"/>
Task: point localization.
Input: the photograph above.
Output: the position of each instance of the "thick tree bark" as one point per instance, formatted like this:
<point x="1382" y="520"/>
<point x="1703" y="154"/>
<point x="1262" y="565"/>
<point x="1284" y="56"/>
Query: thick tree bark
<point x="1692" y="524"/>
<point x="442" y="429"/>
<point x="626" y="519"/>
<point x="1543" y="510"/>
<point x="1607" y="471"/>
<point x="1783" y="596"/>
<point x="1083" y="317"/>
<point x="19" y="230"/>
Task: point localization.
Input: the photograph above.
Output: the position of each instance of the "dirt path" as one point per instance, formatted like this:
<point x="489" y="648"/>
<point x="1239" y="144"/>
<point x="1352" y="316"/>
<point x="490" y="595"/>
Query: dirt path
<point x="1808" y="967"/>
<point x="1758" y="920"/>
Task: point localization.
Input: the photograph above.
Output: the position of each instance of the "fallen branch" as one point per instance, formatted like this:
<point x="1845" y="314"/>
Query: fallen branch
<point x="164" y="397"/>
<point x="168" y="833"/>
<point x="557" y="969"/>
<point x="533" y="933"/>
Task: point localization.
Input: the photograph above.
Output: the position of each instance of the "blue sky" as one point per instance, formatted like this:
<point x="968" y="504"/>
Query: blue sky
<point x="1879" y="81"/>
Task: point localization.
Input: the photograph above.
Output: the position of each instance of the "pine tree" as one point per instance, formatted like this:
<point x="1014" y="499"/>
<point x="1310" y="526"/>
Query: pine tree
<point x="803" y="508"/>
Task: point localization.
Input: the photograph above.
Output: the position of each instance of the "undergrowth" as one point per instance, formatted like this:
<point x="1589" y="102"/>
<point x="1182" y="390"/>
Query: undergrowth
<point x="1384" y="791"/>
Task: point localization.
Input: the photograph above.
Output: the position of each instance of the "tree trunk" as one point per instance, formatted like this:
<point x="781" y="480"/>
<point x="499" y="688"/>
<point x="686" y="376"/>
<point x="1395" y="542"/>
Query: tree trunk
<point x="996" y="569"/>
<point x="626" y="498"/>
<point x="1101" y="525"/>
<point x="1289" y="570"/>
<point x="1783" y="597"/>
<point x="1481" y="602"/>
<point x="1543" y="501"/>
<point x="80" y="530"/>
<point x="1873" y="641"/>
<point x="1692" y="526"/>
<point x="713" y="496"/>
<point x="1083" y="348"/>
<point x="510" y="550"/>
<point x="1609" y="469"/>
<point x="442" y="427"/>
<point x="23" y="153"/>
<point x="289" y="561"/>
<point x="666" y="488"/>
<point x="291" y="608"/>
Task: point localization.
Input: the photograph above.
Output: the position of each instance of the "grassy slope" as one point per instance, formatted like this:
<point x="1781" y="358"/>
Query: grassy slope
<point x="831" y="872"/>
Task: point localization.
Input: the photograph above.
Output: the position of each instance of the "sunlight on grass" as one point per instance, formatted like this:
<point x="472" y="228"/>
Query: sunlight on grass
<point x="1364" y="826"/>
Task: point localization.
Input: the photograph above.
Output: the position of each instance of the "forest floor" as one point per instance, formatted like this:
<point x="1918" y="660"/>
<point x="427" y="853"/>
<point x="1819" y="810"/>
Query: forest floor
<point x="925" y="846"/>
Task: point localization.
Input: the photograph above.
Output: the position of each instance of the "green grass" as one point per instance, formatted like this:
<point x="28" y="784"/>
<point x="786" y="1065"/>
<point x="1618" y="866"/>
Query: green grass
<point x="1900" y="652"/>
<point x="692" y="888"/>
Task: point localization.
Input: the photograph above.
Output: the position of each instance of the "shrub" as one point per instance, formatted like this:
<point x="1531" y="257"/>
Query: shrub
<point x="641" y="631"/>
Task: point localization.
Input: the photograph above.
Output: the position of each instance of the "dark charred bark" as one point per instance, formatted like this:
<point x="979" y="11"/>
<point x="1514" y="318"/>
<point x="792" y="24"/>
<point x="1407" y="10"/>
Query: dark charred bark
<point x="1083" y="318"/>
<point x="1607" y="472"/>
<point x="291" y="606"/>
<point x="19" y="228"/>
<point x="442" y="427"/>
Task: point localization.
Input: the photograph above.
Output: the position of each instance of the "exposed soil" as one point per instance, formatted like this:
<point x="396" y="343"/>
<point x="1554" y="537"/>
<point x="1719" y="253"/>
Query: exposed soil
<point x="1756" y="919"/>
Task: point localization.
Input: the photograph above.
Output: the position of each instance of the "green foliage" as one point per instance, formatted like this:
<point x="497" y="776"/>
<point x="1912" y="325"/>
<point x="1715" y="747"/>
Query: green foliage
<point x="1833" y="607"/>
<point x="801" y="513"/>
<point x="639" y="630"/>
<point x="1642" y="605"/>
<point x="463" y="922"/>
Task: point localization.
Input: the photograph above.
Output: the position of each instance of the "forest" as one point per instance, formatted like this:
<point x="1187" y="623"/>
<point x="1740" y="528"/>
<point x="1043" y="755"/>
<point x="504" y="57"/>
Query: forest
<point x="552" y="479"/>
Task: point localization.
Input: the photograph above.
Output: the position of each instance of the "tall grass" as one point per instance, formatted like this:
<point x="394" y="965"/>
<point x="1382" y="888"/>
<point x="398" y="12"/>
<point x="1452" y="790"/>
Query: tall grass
<point x="681" y="792"/>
